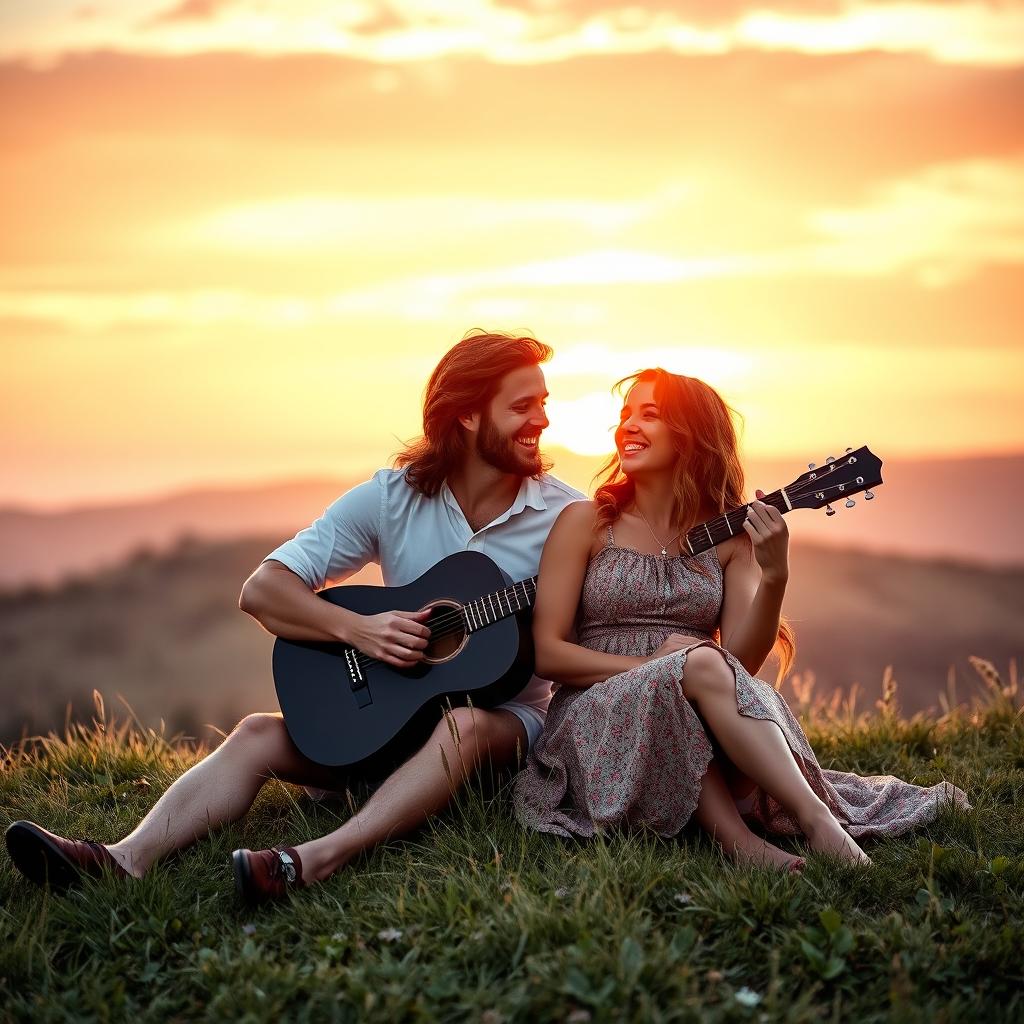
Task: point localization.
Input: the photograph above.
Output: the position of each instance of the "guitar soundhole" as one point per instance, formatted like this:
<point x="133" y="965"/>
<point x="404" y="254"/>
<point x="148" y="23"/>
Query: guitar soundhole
<point x="448" y="633"/>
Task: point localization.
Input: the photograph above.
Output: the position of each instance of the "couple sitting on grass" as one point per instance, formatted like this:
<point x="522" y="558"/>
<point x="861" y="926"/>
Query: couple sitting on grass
<point x="657" y="715"/>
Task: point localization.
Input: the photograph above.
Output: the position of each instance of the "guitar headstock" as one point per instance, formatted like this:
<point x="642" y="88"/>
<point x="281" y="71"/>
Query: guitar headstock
<point x="850" y="474"/>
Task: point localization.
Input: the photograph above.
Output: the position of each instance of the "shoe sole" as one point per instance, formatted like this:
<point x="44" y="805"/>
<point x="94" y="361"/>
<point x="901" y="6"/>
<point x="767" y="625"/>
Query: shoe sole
<point x="242" y="877"/>
<point x="39" y="859"/>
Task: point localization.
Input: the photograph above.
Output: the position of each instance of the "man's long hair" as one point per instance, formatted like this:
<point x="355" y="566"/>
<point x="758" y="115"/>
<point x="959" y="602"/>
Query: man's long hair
<point x="707" y="472"/>
<point x="468" y="376"/>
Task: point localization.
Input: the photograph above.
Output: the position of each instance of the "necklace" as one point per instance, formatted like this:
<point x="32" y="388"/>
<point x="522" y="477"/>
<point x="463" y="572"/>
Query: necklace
<point x="664" y="546"/>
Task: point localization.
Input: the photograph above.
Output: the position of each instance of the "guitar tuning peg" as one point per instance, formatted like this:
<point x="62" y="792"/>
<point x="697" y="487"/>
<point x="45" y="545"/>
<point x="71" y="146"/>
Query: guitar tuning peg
<point x="829" y="510"/>
<point x="850" y="503"/>
<point x="830" y="459"/>
<point x="812" y="465"/>
<point x="868" y="495"/>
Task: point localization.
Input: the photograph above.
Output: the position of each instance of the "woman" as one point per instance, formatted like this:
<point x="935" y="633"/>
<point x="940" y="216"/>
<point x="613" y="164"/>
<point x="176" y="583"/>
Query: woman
<point x="651" y="716"/>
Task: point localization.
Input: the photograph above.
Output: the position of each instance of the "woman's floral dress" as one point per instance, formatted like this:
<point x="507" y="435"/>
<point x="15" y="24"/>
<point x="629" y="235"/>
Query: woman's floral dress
<point x="631" y="751"/>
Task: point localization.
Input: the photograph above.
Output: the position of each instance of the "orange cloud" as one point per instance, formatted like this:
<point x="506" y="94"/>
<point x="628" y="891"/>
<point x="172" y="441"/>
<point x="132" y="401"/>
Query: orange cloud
<point x="968" y="32"/>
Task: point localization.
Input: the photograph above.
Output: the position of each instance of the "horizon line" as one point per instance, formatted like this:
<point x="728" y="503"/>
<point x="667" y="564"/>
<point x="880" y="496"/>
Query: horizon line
<point x="15" y="505"/>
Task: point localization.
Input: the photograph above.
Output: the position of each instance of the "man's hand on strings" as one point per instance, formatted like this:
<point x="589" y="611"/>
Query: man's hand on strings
<point x="397" y="638"/>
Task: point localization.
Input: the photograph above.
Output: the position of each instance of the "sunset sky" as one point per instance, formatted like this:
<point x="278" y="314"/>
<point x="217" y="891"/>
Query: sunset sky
<point x="236" y="236"/>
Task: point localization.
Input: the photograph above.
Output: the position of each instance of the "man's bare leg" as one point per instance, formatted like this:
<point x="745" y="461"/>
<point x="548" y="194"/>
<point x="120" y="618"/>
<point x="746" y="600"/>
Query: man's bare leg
<point x="420" y="788"/>
<point x="218" y="790"/>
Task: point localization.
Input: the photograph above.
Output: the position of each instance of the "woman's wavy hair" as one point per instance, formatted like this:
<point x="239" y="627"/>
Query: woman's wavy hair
<point x="468" y="376"/>
<point x="707" y="471"/>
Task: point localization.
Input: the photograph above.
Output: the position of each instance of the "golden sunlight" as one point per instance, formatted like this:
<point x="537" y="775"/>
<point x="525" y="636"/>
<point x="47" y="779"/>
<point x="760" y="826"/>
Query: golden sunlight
<point x="584" y="425"/>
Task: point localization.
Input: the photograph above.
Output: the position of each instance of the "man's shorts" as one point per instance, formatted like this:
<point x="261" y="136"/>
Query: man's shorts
<point x="531" y="717"/>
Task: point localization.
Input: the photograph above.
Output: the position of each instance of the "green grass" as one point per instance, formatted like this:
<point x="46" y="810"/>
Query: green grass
<point x="476" y="920"/>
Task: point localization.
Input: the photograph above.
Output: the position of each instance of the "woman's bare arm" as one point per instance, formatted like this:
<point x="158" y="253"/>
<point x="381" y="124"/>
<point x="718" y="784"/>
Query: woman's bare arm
<point x="563" y="565"/>
<point x="755" y="578"/>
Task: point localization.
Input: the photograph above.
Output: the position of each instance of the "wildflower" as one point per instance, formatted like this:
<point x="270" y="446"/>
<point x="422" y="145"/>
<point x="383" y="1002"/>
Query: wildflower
<point x="747" y="997"/>
<point x="249" y="929"/>
<point x="561" y="892"/>
<point x="683" y="898"/>
<point x="390" y="934"/>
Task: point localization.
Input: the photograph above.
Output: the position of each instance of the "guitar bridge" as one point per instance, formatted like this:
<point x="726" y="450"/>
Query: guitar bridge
<point x="357" y="678"/>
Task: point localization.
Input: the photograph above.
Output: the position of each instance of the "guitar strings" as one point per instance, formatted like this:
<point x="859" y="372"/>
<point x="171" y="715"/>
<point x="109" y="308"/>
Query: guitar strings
<point x="456" y="621"/>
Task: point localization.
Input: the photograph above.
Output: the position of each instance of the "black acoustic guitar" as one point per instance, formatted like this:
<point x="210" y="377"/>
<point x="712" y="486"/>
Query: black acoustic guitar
<point x="347" y="710"/>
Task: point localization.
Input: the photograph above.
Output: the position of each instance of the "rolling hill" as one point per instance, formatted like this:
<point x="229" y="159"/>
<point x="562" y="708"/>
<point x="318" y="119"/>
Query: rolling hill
<point x="962" y="509"/>
<point x="164" y="631"/>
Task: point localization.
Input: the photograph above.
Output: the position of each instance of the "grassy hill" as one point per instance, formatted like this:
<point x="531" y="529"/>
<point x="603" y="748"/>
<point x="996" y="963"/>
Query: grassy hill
<point x="476" y="920"/>
<point x="164" y="631"/>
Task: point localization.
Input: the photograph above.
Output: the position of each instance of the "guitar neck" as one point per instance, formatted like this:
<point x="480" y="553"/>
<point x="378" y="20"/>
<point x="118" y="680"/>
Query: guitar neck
<point x="500" y="604"/>
<point x="714" y="531"/>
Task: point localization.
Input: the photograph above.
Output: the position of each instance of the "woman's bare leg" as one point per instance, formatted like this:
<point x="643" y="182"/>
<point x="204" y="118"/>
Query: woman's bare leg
<point x="717" y="815"/>
<point x="760" y="751"/>
<point x="218" y="790"/>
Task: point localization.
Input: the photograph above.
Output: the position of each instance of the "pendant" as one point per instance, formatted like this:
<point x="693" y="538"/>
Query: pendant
<point x="664" y="553"/>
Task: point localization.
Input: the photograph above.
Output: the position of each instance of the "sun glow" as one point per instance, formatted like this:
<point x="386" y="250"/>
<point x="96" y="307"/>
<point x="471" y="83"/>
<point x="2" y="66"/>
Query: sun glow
<point x="584" y="425"/>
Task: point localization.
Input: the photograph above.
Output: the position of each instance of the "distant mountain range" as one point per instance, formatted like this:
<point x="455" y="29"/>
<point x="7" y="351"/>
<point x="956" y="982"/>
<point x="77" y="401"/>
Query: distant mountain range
<point x="957" y="509"/>
<point x="165" y="632"/>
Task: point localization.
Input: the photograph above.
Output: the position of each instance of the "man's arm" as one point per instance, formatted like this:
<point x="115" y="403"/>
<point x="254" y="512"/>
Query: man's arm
<point x="283" y="605"/>
<point x="281" y="593"/>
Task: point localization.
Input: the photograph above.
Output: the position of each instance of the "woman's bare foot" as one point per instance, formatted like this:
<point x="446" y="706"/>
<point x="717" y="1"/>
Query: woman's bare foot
<point x="825" y="835"/>
<point x="759" y="853"/>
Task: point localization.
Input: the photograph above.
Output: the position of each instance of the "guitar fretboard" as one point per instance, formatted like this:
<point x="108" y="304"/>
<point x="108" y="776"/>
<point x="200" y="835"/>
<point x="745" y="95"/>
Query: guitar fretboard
<point x="714" y="531"/>
<point x="499" y="605"/>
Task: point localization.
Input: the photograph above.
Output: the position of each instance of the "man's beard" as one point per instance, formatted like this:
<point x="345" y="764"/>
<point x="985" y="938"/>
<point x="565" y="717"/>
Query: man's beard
<point x="502" y="452"/>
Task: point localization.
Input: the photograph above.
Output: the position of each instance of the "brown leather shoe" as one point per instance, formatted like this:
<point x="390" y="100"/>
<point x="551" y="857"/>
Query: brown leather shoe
<point x="52" y="860"/>
<point x="266" y="874"/>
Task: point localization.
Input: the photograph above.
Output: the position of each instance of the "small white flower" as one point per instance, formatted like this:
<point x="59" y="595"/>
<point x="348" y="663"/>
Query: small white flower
<point x="747" y="997"/>
<point x="683" y="898"/>
<point x="390" y="934"/>
<point x="562" y="892"/>
<point x="249" y="929"/>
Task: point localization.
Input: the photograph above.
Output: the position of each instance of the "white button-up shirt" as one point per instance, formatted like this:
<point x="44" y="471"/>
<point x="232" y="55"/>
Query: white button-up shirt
<point x="386" y="521"/>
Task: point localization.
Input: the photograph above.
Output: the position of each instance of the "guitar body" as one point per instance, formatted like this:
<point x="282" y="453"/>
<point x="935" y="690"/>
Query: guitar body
<point x="367" y="722"/>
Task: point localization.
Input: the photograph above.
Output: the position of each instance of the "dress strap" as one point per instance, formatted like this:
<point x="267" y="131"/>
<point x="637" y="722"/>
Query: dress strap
<point x="611" y="536"/>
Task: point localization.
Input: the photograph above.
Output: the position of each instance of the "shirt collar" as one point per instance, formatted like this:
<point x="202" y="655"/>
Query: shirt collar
<point x="531" y="495"/>
<point x="534" y="496"/>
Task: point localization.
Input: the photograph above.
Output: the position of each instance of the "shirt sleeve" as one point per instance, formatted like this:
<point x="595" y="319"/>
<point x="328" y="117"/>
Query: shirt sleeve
<point x="344" y="539"/>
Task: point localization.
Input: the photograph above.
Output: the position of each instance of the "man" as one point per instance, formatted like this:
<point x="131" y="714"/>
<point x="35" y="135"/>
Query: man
<point x="474" y="481"/>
